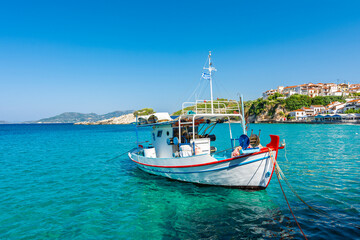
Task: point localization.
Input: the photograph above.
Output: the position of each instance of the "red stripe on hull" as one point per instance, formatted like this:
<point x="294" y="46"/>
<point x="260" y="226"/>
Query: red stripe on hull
<point x="263" y="150"/>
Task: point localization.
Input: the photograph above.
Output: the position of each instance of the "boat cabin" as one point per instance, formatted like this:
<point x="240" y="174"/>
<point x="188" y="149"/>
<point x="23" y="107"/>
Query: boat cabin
<point x="190" y="133"/>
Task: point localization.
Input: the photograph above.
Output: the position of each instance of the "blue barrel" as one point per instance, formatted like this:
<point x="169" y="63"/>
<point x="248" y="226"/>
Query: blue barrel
<point x="244" y="141"/>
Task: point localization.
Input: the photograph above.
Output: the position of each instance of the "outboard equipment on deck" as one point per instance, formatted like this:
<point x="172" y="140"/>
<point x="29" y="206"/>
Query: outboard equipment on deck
<point x="254" y="139"/>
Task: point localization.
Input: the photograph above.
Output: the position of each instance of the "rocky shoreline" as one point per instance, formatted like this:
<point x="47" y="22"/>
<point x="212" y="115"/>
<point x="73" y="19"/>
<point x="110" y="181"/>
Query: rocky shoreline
<point x="124" y="119"/>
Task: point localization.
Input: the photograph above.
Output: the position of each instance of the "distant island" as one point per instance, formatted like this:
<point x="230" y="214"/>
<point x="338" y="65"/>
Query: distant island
<point x="74" y="117"/>
<point x="123" y="119"/>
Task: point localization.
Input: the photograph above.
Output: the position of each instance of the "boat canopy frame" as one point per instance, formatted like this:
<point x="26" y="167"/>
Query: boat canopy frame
<point x="199" y="108"/>
<point x="194" y="117"/>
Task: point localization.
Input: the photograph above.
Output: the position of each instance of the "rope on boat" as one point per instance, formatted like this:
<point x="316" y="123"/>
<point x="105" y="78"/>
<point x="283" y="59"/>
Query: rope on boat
<point x="124" y="152"/>
<point x="296" y="194"/>
<point x="111" y="159"/>
<point x="285" y="150"/>
<point x="282" y="176"/>
<point x="278" y="178"/>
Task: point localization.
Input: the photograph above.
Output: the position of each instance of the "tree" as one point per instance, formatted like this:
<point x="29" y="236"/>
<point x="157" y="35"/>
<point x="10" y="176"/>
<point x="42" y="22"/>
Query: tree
<point x="352" y="110"/>
<point x="319" y="100"/>
<point x="257" y="106"/>
<point x="275" y="96"/>
<point x="297" y="101"/>
<point x="144" y="111"/>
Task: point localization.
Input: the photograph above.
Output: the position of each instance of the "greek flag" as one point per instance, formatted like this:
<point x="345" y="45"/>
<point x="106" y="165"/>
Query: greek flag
<point x="205" y="76"/>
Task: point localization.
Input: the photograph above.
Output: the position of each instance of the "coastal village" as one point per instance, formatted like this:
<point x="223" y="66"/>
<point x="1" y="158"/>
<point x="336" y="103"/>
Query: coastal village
<point x="274" y="108"/>
<point x="347" y="110"/>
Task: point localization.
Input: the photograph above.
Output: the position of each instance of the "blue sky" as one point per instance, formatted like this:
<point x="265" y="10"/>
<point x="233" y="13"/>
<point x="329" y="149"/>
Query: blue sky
<point x="102" y="56"/>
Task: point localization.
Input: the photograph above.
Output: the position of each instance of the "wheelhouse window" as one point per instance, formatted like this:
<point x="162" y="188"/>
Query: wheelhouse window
<point x="159" y="133"/>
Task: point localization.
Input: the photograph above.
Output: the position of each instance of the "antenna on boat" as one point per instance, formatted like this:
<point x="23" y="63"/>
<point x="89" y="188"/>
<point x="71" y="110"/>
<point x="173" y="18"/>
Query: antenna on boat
<point x="210" y="69"/>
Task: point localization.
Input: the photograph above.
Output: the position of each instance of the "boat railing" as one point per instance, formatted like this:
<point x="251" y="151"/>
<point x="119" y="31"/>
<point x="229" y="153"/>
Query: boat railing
<point x="205" y="107"/>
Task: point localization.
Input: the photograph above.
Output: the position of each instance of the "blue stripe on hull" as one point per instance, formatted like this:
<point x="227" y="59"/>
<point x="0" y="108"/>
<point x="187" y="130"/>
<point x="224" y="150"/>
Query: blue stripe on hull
<point x="210" y="170"/>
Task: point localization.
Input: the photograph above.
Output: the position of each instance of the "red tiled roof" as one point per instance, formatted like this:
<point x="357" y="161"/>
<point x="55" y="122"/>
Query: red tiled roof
<point x="338" y="104"/>
<point x="291" y="87"/>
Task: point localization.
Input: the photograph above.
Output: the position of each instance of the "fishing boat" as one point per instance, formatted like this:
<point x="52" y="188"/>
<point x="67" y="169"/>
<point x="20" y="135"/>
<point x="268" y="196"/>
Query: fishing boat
<point x="185" y="149"/>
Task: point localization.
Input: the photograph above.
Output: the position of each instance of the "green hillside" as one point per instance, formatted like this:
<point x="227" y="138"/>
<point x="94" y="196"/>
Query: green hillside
<point x="73" y="117"/>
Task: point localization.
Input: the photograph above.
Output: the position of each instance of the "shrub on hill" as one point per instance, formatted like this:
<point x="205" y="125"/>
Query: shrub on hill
<point x="257" y="106"/>
<point x="352" y="111"/>
<point x="144" y="111"/>
<point x="326" y="100"/>
<point x="275" y="96"/>
<point x="354" y="94"/>
<point x="297" y="101"/>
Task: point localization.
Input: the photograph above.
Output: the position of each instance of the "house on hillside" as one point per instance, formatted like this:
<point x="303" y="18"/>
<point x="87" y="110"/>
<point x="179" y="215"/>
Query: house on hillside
<point x="313" y="91"/>
<point x="338" y="93"/>
<point x="308" y="111"/>
<point x="353" y="104"/>
<point x="330" y="105"/>
<point x="334" y="108"/>
<point x="328" y="89"/>
<point x="288" y="91"/>
<point x="354" y="85"/>
<point x="354" y="90"/>
<point x="269" y="93"/>
<point x="343" y="87"/>
<point x="280" y="89"/>
<point x="317" y="109"/>
<point x="298" y="114"/>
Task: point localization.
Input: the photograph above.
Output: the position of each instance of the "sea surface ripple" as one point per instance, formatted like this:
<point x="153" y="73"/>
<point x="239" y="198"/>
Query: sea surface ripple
<point x="63" y="182"/>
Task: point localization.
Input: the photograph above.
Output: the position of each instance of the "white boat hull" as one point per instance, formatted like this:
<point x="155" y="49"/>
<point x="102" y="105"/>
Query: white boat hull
<point x="252" y="171"/>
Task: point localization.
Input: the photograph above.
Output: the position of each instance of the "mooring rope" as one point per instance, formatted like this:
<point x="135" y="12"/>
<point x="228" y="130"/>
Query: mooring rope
<point x="278" y="178"/>
<point x="296" y="194"/>
<point x="285" y="151"/>
<point x="111" y="159"/>
<point x="282" y="176"/>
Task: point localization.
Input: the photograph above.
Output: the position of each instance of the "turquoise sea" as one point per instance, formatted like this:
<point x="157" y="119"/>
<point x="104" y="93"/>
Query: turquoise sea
<point x="64" y="182"/>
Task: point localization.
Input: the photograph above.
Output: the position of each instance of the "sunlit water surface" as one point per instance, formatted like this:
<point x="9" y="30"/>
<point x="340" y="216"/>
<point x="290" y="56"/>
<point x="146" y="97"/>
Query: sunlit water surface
<point x="61" y="182"/>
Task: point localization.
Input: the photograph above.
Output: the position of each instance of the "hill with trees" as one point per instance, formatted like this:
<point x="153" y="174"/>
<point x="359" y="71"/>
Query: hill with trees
<point x="276" y="107"/>
<point x="73" y="117"/>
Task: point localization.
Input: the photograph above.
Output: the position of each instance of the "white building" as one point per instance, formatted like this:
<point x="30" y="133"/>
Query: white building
<point x="280" y="89"/>
<point x="353" y="104"/>
<point x="334" y="108"/>
<point x="317" y="109"/>
<point x="314" y="90"/>
<point x="308" y="111"/>
<point x="288" y="91"/>
<point x="354" y="90"/>
<point x="328" y="89"/>
<point x="298" y="114"/>
<point x="269" y="93"/>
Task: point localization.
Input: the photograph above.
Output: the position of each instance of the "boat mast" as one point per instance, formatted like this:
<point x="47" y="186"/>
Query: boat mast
<point x="210" y="69"/>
